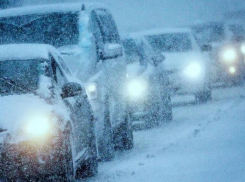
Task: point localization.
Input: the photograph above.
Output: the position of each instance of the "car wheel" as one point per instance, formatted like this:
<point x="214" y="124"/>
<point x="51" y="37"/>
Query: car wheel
<point x="88" y="169"/>
<point x="106" y="144"/>
<point x="167" y="114"/>
<point x="127" y="134"/>
<point x="123" y="137"/>
<point x="90" y="166"/>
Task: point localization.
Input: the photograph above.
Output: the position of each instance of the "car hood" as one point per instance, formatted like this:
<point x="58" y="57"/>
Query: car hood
<point x="17" y="110"/>
<point x="179" y="60"/>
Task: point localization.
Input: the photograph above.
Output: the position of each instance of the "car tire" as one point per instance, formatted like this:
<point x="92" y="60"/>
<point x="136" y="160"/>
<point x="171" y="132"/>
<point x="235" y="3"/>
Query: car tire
<point x="123" y="137"/>
<point x="88" y="169"/>
<point x="90" y="166"/>
<point x="106" y="144"/>
<point x="127" y="134"/>
<point x="167" y="114"/>
<point x="68" y="173"/>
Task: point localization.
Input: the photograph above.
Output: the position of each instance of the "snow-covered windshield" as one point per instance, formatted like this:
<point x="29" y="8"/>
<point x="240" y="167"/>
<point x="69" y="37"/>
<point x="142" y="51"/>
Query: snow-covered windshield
<point x="210" y="33"/>
<point x="20" y="76"/>
<point x="57" y="29"/>
<point x="171" y="42"/>
<point x="236" y="30"/>
<point x="133" y="52"/>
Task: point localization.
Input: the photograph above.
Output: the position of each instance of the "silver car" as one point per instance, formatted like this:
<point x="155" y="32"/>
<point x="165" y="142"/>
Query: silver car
<point x="46" y="123"/>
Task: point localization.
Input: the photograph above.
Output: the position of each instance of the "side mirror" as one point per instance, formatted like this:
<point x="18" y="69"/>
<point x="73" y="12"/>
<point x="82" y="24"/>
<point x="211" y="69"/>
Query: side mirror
<point x="111" y="51"/>
<point x="157" y="59"/>
<point x="71" y="89"/>
<point x="206" y="48"/>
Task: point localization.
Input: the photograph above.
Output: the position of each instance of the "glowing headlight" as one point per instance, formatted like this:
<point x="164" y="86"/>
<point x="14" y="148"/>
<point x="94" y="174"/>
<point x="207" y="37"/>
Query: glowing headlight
<point x="136" y="88"/>
<point x="229" y="55"/>
<point x="91" y="87"/>
<point x="38" y="126"/>
<point x="243" y="49"/>
<point x="232" y="70"/>
<point x="92" y="90"/>
<point x="193" y="70"/>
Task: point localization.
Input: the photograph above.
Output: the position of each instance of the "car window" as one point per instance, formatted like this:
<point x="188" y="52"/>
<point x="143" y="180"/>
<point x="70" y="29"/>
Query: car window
<point x="134" y="52"/>
<point x="107" y="27"/>
<point x="58" y="75"/>
<point x="63" y="65"/>
<point x="209" y="33"/>
<point x="57" y="29"/>
<point x="171" y="42"/>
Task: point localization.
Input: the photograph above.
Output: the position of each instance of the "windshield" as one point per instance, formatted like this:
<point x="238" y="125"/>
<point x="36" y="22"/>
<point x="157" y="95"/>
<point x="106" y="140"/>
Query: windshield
<point x="57" y="29"/>
<point x="20" y="76"/>
<point x="210" y="33"/>
<point x="133" y="51"/>
<point x="175" y="42"/>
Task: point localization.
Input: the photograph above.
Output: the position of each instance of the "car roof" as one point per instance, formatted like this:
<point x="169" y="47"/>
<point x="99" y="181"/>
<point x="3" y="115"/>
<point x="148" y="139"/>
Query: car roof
<point x="49" y="8"/>
<point x="25" y="51"/>
<point x="164" y="31"/>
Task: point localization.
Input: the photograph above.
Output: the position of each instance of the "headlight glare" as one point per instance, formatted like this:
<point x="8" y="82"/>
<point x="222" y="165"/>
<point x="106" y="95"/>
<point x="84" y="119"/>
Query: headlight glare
<point x="243" y="48"/>
<point x="193" y="70"/>
<point x="229" y="55"/>
<point x="91" y="87"/>
<point x="232" y="69"/>
<point x="91" y="90"/>
<point x="38" y="126"/>
<point x="136" y="88"/>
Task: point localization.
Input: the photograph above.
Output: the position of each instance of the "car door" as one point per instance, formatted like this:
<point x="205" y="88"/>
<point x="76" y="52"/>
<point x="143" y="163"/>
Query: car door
<point x="81" y="116"/>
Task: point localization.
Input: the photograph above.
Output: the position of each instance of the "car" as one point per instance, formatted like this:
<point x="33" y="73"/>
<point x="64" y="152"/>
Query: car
<point x="148" y="84"/>
<point x="47" y="123"/>
<point x="224" y="41"/>
<point x="87" y="37"/>
<point x="187" y="67"/>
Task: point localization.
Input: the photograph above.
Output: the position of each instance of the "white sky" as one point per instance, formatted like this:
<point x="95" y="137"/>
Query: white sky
<point x="138" y="15"/>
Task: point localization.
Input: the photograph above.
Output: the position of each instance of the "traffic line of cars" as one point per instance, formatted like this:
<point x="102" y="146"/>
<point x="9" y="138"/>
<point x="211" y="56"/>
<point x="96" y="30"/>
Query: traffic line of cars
<point x="71" y="88"/>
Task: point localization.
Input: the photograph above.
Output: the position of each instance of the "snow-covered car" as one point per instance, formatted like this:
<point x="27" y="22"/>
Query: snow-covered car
<point x="46" y="121"/>
<point x="86" y="35"/>
<point x="148" y="85"/>
<point x="187" y="67"/>
<point x="226" y="44"/>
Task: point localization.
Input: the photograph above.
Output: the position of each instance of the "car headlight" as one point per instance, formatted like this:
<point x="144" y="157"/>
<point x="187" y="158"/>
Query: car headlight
<point x="136" y="88"/>
<point x="38" y="126"/>
<point x="91" y="90"/>
<point x="229" y="55"/>
<point x="232" y="70"/>
<point x="193" y="70"/>
<point x="243" y="48"/>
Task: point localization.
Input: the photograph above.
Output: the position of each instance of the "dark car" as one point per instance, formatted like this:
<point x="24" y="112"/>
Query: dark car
<point x="47" y="125"/>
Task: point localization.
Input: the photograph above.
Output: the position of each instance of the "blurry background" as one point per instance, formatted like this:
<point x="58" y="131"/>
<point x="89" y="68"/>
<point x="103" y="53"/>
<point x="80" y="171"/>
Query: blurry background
<point x="139" y="15"/>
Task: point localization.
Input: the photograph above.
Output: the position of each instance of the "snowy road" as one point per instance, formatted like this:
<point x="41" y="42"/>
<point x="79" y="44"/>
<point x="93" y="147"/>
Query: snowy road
<point x="204" y="142"/>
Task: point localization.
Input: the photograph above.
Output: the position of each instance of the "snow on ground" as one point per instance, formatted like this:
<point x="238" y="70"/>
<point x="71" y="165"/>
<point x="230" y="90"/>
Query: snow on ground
<point x="204" y="142"/>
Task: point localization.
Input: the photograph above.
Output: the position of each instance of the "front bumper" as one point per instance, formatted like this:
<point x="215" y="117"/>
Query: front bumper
<point x="29" y="159"/>
<point x="181" y="84"/>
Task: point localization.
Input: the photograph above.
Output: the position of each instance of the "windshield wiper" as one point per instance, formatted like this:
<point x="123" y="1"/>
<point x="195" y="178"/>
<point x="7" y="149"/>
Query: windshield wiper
<point x="14" y="84"/>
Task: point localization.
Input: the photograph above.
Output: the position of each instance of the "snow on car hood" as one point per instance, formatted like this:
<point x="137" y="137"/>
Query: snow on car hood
<point x="17" y="110"/>
<point x="179" y="60"/>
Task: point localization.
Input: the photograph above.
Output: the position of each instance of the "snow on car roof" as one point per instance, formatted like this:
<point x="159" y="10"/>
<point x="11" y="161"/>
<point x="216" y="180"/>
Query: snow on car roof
<point x="25" y="51"/>
<point x="164" y="31"/>
<point x="49" y="8"/>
